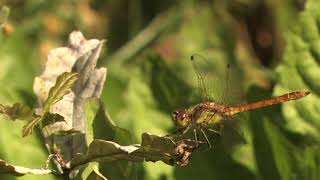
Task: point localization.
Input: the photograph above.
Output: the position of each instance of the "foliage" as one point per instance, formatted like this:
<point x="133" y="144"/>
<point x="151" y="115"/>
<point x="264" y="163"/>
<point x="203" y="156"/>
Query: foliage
<point x="154" y="77"/>
<point x="62" y="87"/>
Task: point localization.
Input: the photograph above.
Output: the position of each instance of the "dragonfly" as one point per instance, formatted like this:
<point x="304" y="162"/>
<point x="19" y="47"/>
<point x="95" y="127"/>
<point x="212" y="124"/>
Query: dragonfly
<point x="209" y="114"/>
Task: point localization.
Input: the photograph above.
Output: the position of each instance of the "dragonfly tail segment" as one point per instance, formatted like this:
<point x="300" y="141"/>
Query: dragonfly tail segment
<point x="232" y="110"/>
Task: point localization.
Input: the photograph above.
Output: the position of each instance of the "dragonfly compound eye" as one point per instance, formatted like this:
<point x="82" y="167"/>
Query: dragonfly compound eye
<point x="180" y="117"/>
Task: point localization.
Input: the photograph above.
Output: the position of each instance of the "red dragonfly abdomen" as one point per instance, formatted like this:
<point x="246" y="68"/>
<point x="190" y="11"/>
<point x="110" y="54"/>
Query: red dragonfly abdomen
<point x="231" y="110"/>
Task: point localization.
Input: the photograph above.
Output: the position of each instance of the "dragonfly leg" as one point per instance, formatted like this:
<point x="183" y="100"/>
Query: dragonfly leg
<point x="186" y="130"/>
<point x="196" y="136"/>
<point x="214" y="131"/>
<point x="205" y="136"/>
<point x="217" y="132"/>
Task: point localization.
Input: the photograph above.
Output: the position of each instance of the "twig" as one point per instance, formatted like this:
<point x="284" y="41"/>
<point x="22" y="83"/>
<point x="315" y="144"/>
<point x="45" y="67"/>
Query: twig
<point x="159" y="25"/>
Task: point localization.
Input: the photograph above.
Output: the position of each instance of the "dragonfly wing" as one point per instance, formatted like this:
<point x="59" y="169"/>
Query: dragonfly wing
<point x="217" y="80"/>
<point x="196" y="60"/>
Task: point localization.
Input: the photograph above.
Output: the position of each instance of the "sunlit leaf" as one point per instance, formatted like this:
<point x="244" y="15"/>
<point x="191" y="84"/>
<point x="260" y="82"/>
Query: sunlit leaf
<point x="6" y="168"/>
<point x="300" y="71"/>
<point x="288" y="135"/>
<point x="96" y="175"/>
<point x="28" y="128"/>
<point x="90" y="172"/>
<point x="62" y="87"/>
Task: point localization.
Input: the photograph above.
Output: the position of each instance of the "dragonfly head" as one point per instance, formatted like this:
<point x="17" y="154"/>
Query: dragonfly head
<point x="181" y="118"/>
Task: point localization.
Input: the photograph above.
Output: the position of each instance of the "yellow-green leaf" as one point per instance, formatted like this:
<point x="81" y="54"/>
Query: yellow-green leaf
<point x="62" y="87"/>
<point x="90" y="172"/>
<point x="28" y="128"/>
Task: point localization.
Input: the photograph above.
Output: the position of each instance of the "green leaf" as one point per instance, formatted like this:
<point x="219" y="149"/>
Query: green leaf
<point x="17" y="111"/>
<point x="96" y="175"/>
<point x="47" y="118"/>
<point x="288" y="136"/>
<point x="6" y="168"/>
<point x="279" y="154"/>
<point x="100" y="126"/>
<point x="18" y="68"/>
<point x="160" y="79"/>
<point x="310" y="163"/>
<point x="28" y="128"/>
<point x="142" y="114"/>
<point x="90" y="172"/>
<point x="270" y="147"/>
<point x="300" y="71"/>
<point x="62" y="87"/>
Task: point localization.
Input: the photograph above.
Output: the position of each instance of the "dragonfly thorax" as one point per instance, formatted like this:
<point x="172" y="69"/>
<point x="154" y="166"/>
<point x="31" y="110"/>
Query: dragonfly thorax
<point x="207" y="114"/>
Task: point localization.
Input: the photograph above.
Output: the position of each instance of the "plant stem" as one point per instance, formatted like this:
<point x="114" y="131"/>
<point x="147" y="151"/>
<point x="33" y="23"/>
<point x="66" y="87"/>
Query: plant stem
<point x="153" y="31"/>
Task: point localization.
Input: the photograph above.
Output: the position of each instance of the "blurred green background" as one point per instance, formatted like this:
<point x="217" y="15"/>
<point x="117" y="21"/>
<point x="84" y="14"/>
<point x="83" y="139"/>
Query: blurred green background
<point x="272" y="46"/>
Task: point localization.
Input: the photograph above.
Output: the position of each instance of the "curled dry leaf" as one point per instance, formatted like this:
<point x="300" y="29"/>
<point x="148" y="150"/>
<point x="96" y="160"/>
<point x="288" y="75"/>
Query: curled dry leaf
<point x="153" y="148"/>
<point x="80" y="56"/>
<point x="6" y="168"/>
<point x="184" y="150"/>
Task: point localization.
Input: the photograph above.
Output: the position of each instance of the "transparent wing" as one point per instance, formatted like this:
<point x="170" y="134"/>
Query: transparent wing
<point x="213" y="81"/>
<point x="201" y="75"/>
